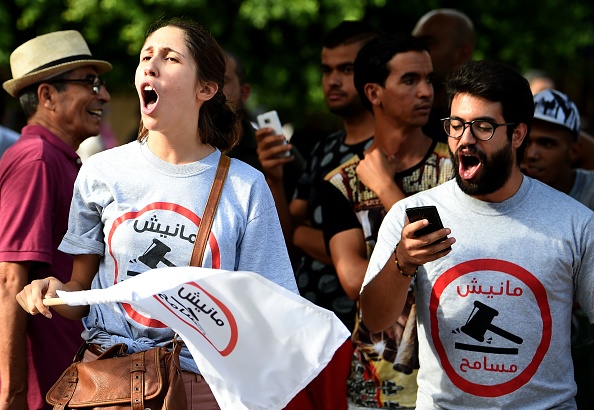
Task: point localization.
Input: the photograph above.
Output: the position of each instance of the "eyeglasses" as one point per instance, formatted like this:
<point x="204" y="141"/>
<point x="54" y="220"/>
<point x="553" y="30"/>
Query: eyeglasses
<point x="481" y="129"/>
<point x="95" y="82"/>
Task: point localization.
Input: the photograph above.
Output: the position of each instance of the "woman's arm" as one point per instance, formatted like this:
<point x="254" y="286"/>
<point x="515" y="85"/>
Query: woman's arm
<point x="83" y="271"/>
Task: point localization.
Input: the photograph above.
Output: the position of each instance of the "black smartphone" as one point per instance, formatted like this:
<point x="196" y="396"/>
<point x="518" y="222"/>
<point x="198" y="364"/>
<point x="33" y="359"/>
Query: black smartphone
<point x="426" y="212"/>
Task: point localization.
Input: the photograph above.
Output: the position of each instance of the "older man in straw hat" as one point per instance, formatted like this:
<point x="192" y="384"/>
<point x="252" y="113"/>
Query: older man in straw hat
<point x="57" y="82"/>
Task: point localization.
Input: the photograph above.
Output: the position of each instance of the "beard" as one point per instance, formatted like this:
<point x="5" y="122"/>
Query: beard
<point x="496" y="170"/>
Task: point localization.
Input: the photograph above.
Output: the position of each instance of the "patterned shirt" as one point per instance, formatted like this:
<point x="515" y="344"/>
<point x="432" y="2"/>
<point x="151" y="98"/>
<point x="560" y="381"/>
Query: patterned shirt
<point x="317" y="281"/>
<point x="383" y="372"/>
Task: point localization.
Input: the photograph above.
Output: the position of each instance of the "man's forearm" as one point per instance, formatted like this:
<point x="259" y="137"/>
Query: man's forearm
<point x="383" y="299"/>
<point x="390" y="196"/>
<point x="13" y="338"/>
<point x="311" y="241"/>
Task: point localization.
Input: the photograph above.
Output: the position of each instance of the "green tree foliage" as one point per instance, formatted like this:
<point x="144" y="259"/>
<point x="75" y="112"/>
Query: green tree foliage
<point x="280" y="40"/>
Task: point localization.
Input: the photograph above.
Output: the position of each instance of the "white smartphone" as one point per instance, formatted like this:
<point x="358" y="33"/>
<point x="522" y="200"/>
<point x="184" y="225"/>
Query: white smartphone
<point x="270" y="119"/>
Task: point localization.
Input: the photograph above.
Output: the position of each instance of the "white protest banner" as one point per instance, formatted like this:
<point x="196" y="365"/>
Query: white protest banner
<point x="256" y="343"/>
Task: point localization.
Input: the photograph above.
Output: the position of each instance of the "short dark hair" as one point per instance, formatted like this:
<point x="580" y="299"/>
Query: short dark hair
<point x="371" y="64"/>
<point x="496" y="82"/>
<point x="349" y="32"/>
<point x="28" y="95"/>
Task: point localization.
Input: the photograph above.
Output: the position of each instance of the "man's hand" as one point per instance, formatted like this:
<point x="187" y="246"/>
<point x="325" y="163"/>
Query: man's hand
<point x="413" y="251"/>
<point x="377" y="173"/>
<point x="384" y="297"/>
<point x="271" y="153"/>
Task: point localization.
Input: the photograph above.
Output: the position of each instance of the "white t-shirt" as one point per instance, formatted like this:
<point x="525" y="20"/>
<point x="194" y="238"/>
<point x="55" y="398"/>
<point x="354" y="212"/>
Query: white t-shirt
<point x="494" y="314"/>
<point x="140" y="212"/>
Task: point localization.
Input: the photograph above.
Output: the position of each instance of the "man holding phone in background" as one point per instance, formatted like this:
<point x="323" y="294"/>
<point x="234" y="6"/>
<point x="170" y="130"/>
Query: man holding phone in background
<point x="237" y="90"/>
<point x="301" y="218"/>
<point x="393" y="76"/>
<point x="494" y="312"/>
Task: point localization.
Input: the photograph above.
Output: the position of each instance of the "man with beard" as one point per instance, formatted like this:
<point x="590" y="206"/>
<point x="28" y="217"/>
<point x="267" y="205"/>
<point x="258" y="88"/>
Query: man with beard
<point x="494" y="312"/>
<point x="393" y="76"/>
<point x="301" y="219"/>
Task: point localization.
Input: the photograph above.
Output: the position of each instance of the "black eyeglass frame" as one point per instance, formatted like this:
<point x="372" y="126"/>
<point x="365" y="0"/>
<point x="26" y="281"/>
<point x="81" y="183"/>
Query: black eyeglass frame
<point x="95" y="82"/>
<point x="469" y="124"/>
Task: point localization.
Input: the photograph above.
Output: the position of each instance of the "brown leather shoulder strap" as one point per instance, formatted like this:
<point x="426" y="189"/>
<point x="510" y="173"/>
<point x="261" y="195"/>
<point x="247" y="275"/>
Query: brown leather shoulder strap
<point x="210" y="211"/>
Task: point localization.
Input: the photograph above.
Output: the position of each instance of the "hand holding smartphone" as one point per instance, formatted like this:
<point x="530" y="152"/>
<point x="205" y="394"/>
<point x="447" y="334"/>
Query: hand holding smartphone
<point x="270" y="119"/>
<point x="426" y="212"/>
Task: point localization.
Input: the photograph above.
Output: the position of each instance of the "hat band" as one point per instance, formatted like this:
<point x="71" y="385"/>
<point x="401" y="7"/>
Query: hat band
<point x="62" y="61"/>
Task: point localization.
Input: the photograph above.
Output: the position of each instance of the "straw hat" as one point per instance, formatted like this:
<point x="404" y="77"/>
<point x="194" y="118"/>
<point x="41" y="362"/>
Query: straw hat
<point x="47" y="56"/>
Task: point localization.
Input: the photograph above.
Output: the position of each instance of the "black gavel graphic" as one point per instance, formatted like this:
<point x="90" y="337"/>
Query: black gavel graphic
<point x="480" y="320"/>
<point x="155" y="254"/>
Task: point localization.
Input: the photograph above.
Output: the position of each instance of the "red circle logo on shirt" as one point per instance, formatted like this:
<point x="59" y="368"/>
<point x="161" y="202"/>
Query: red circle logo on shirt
<point x="484" y="321"/>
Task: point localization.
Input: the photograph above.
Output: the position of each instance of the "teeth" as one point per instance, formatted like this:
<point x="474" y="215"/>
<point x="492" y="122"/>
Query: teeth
<point x="96" y="112"/>
<point x="148" y="88"/>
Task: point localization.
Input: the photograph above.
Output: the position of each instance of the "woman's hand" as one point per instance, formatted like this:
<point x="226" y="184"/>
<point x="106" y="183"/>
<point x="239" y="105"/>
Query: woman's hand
<point x="32" y="295"/>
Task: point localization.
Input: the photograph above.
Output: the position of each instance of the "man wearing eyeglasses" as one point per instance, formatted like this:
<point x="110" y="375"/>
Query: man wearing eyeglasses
<point x="494" y="311"/>
<point x="57" y="83"/>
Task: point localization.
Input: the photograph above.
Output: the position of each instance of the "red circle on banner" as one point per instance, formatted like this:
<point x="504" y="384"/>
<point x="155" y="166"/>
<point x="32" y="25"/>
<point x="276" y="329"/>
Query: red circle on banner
<point x="540" y="295"/>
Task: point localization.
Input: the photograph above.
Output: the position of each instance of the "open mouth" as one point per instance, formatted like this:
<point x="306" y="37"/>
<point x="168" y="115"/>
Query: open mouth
<point x="149" y="97"/>
<point x="96" y="113"/>
<point x="469" y="164"/>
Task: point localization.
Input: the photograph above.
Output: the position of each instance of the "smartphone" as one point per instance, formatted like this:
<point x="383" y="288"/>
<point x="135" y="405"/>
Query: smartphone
<point x="426" y="212"/>
<point x="270" y="119"/>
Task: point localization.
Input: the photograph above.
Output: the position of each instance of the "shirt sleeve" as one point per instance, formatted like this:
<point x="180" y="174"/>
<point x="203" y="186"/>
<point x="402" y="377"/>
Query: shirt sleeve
<point x="27" y="203"/>
<point x="337" y="213"/>
<point x="85" y="227"/>
<point x="584" y="280"/>
<point x="262" y="248"/>
<point x="388" y="236"/>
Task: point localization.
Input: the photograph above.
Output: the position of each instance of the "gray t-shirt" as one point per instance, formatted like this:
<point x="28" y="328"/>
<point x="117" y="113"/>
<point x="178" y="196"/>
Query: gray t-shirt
<point x="583" y="187"/>
<point x="494" y="314"/>
<point x="140" y="212"/>
<point x="7" y="138"/>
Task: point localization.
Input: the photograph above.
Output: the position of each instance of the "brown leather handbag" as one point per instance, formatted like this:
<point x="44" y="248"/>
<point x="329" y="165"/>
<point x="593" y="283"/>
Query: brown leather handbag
<point x="150" y="379"/>
<point x="145" y="380"/>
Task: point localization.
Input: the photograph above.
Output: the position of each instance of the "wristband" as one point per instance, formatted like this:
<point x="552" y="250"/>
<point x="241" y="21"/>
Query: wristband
<point x="400" y="269"/>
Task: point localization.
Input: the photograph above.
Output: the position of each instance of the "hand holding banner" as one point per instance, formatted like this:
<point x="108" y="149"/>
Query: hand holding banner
<point x="256" y="343"/>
